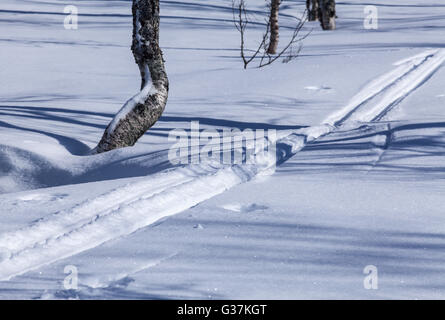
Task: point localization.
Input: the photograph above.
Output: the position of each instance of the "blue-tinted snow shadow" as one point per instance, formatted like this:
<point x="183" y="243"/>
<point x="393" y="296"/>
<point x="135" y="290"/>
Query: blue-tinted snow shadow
<point x="53" y="114"/>
<point x="121" y="163"/>
<point x="73" y="146"/>
<point x="376" y="148"/>
<point x="218" y="123"/>
<point x="343" y="152"/>
<point x="286" y="248"/>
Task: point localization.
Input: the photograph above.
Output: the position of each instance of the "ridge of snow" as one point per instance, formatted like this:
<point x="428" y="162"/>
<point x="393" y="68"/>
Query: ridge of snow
<point x="81" y="228"/>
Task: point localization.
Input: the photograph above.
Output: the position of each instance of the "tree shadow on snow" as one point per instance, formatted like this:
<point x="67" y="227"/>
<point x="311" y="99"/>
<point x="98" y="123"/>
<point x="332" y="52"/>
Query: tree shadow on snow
<point x="404" y="150"/>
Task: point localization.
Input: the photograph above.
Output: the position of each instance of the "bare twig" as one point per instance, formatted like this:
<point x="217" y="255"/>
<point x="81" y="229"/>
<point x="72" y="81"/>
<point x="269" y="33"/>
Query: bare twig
<point x="241" y="21"/>
<point x="288" y="53"/>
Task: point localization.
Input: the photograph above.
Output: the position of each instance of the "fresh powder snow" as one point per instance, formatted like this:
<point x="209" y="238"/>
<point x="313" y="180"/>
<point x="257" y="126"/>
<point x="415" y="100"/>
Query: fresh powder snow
<point x="357" y="180"/>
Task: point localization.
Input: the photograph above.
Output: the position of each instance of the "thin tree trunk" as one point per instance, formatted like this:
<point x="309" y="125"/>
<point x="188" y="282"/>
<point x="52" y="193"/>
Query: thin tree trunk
<point x="274" y="28"/>
<point x="312" y="9"/>
<point x="327" y="16"/>
<point x="145" y="108"/>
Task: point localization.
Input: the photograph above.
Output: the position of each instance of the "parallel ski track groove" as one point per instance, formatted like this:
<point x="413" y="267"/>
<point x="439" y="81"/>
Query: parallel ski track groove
<point x="108" y="216"/>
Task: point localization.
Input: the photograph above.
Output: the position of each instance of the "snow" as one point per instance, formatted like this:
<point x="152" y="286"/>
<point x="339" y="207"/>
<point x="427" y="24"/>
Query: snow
<point x="394" y="85"/>
<point x="358" y="181"/>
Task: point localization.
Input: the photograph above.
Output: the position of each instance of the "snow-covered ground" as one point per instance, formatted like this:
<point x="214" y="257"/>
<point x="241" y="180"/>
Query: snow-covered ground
<point x="361" y="157"/>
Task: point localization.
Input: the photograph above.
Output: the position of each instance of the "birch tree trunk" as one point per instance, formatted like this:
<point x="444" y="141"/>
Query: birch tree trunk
<point x="312" y="9"/>
<point x="145" y="108"/>
<point x="274" y="28"/>
<point x="327" y="16"/>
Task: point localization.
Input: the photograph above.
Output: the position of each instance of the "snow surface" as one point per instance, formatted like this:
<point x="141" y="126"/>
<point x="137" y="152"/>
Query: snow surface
<point x="360" y="147"/>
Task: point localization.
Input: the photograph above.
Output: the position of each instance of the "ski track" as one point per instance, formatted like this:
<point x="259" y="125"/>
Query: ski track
<point x="122" y="211"/>
<point x="409" y="74"/>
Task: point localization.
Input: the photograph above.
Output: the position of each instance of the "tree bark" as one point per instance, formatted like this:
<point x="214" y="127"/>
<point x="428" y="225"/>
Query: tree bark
<point x="312" y="9"/>
<point x="274" y="28"/>
<point x="327" y="14"/>
<point x="145" y="108"/>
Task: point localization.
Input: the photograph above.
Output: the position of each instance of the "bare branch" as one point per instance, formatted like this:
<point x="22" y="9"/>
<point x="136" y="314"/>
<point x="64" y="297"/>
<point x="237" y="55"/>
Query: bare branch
<point x="289" y="48"/>
<point x="288" y="52"/>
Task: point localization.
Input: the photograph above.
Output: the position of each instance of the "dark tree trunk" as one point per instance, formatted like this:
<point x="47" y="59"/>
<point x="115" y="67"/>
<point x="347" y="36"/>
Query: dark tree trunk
<point x="327" y="14"/>
<point x="145" y="108"/>
<point x="274" y="28"/>
<point x="312" y="10"/>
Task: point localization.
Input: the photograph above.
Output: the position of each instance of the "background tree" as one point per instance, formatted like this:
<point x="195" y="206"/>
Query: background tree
<point x="312" y="9"/>
<point x="327" y="14"/>
<point x="274" y="27"/>
<point x="145" y="108"/>
<point x="323" y="10"/>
